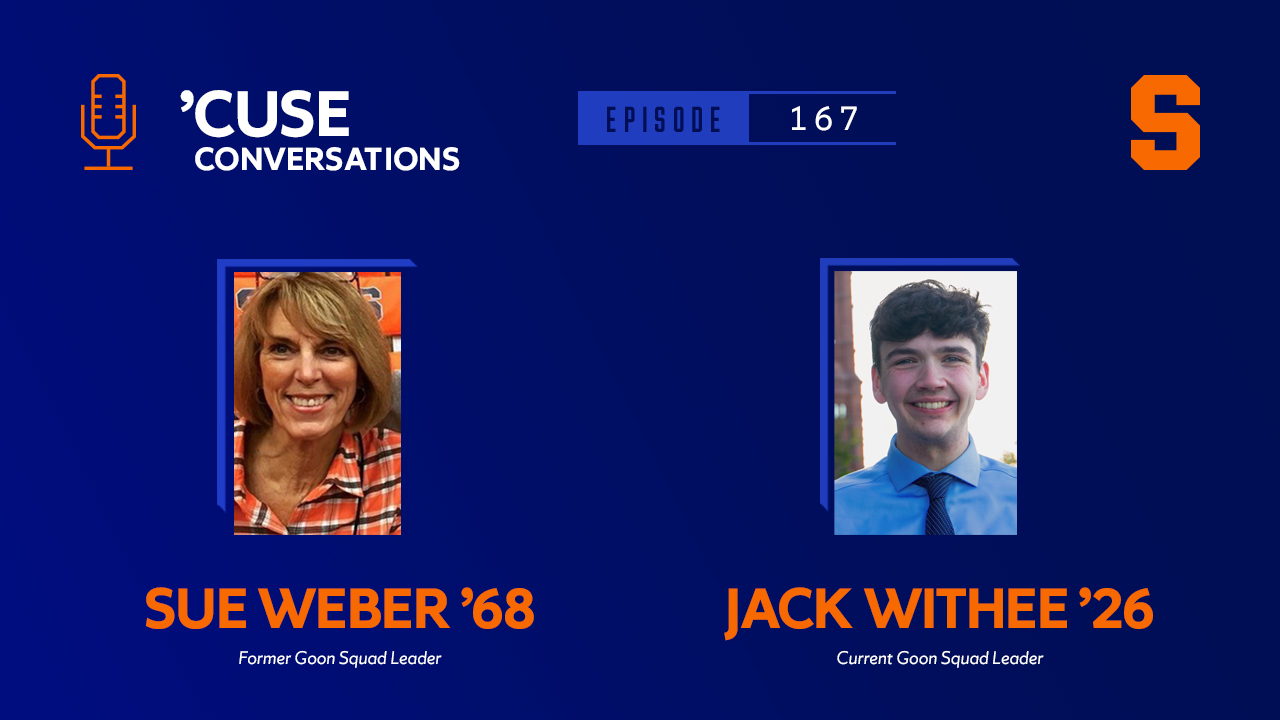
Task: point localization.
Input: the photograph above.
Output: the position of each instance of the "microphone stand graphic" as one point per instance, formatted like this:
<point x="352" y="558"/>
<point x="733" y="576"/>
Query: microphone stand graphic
<point x="97" y="115"/>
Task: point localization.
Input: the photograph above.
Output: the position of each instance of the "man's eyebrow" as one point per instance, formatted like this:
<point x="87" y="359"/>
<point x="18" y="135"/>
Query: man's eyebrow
<point x="955" y="350"/>
<point x="902" y="351"/>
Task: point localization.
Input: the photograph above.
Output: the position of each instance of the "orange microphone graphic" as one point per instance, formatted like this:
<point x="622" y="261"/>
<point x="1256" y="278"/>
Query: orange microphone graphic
<point x="104" y="87"/>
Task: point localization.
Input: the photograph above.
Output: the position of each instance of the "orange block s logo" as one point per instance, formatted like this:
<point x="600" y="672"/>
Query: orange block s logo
<point x="1143" y="112"/>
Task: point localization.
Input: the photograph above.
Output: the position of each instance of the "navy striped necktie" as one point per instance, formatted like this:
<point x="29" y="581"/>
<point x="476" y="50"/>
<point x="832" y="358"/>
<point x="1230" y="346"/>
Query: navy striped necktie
<point x="937" y="521"/>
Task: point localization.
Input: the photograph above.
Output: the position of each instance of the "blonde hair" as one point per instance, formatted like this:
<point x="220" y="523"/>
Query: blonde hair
<point x="319" y="304"/>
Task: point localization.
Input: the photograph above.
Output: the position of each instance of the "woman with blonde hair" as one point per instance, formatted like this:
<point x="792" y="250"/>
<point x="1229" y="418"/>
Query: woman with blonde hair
<point x="312" y="379"/>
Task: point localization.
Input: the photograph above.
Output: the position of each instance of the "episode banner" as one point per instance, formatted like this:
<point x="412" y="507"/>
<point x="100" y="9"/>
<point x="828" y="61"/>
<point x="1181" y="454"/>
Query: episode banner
<point x="683" y="117"/>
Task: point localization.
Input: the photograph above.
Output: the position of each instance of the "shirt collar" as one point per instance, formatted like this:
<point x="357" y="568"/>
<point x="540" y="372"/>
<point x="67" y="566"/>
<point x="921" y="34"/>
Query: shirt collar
<point x="903" y="471"/>
<point x="344" y="473"/>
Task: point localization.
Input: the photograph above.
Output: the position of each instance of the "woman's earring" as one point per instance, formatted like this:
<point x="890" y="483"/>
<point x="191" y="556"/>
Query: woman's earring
<point x="360" y="396"/>
<point x="261" y="397"/>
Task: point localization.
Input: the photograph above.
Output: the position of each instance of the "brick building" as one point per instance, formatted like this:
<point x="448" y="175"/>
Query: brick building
<point x="847" y="386"/>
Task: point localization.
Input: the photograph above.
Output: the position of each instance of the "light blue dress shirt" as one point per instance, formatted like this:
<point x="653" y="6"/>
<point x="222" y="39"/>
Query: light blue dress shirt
<point x="881" y="499"/>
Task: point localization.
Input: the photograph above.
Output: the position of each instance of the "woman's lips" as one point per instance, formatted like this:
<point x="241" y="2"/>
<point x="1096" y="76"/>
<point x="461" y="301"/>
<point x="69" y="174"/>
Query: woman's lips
<point x="308" y="405"/>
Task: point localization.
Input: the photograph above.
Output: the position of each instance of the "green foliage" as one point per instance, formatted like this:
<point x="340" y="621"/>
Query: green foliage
<point x="846" y="451"/>
<point x="1010" y="458"/>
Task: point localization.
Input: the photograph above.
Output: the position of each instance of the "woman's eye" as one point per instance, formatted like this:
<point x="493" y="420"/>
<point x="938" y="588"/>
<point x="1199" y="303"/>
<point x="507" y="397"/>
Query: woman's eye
<point x="334" y="351"/>
<point x="278" y="349"/>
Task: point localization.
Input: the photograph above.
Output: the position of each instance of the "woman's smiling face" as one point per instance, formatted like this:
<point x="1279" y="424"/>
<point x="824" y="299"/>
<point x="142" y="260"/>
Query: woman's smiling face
<point x="309" y="382"/>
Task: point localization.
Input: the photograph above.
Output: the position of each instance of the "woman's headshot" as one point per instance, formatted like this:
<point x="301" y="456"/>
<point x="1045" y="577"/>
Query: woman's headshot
<point x="312" y="382"/>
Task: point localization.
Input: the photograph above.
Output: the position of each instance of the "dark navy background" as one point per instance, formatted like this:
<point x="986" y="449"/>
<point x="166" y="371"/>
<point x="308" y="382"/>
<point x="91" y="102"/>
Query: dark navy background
<point x="610" y="354"/>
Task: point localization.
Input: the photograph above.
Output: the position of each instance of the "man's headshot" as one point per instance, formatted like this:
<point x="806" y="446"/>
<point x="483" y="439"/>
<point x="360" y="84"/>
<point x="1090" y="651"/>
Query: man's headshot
<point x="929" y="370"/>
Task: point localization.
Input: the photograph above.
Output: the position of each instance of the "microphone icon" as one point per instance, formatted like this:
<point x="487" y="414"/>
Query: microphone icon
<point x="104" y="86"/>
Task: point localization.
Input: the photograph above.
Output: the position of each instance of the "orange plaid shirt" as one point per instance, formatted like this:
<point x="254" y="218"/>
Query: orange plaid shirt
<point x="332" y="507"/>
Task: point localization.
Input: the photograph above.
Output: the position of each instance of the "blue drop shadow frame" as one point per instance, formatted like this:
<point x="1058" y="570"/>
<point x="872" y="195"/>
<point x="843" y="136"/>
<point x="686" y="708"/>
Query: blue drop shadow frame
<point x="826" y="348"/>
<point x="226" y="268"/>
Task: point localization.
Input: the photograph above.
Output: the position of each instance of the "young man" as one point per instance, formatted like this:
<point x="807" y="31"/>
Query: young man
<point x="927" y="340"/>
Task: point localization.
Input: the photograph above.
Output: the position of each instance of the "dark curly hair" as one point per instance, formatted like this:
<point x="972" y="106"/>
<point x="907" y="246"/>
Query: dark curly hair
<point x="941" y="309"/>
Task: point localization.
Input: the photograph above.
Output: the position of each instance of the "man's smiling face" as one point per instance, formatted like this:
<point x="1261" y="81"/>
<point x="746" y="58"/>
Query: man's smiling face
<point x="930" y="385"/>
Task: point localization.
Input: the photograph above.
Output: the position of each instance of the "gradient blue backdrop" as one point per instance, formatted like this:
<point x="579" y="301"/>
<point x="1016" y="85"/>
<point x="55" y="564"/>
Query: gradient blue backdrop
<point x="610" y="353"/>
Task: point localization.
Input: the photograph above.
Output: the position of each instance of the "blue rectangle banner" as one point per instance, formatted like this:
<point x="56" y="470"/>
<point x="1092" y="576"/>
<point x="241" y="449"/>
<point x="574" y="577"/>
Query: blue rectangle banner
<point x="688" y="117"/>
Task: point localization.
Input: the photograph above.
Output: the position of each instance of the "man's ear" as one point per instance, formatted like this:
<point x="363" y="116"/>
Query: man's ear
<point x="984" y="381"/>
<point x="875" y="386"/>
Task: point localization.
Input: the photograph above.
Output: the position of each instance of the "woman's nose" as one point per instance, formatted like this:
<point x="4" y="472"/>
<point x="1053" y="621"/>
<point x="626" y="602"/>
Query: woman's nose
<point x="308" y="368"/>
